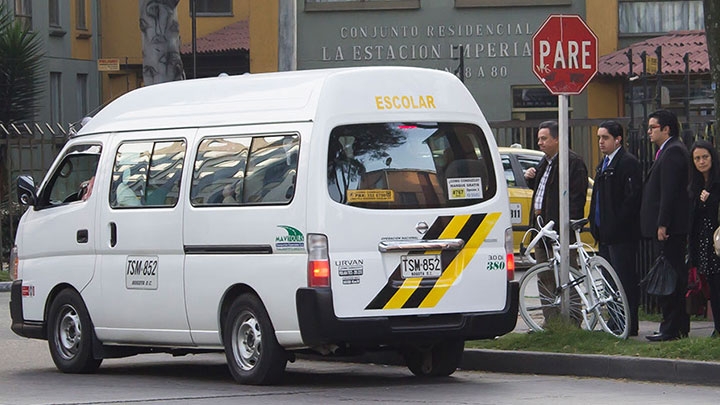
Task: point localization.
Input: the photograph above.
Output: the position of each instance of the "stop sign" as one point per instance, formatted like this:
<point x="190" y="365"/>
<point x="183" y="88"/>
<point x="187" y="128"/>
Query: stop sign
<point x="565" y="55"/>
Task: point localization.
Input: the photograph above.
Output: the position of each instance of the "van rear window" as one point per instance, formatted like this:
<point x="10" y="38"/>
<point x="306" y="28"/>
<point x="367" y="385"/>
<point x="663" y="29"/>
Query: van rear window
<point x="410" y="165"/>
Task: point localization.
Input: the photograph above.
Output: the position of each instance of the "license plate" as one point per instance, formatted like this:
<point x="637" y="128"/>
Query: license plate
<point x="420" y="266"/>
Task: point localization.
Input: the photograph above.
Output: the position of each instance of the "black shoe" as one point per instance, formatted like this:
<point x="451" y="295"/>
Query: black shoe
<point x="659" y="337"/>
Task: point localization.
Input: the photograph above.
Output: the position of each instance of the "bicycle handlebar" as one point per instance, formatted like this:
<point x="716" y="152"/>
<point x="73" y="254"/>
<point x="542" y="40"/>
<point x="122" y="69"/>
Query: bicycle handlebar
<point x="545" y="231"/>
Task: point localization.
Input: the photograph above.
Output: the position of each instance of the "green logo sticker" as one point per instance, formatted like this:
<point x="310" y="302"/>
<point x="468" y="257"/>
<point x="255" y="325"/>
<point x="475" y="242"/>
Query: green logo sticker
<point x="293" y="241"/>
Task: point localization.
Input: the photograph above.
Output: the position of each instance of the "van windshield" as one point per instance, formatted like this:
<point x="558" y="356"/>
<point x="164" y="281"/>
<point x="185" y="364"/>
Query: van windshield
<point x="409" y="165"/>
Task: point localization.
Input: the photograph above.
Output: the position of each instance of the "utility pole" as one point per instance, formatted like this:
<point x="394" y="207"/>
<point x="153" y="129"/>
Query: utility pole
<point x="193" y="11"/>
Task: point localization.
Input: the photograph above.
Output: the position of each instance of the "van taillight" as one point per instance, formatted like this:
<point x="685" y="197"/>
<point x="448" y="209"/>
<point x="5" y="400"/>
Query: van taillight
<point x="509" y="254"/>
<point x="318" y="261"/>
<point x="14" y="263"/>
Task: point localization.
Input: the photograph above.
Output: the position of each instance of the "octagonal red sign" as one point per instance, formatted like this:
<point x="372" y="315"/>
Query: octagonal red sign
<point x="565" y="54"/>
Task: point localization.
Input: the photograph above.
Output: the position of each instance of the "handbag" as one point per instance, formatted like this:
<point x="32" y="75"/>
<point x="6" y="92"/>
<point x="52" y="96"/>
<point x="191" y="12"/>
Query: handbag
<point x="716" y="241"/>
<point x="662" y="277"/>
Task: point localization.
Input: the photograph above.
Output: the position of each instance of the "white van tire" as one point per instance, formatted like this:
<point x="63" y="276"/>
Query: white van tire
<point x="440" y="360"/>
<point x="70" y="334"/>
<point x="253" y="354"/>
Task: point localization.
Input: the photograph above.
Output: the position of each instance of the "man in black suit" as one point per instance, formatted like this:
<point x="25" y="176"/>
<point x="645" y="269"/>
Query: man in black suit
<point x="545" y="182"/>
<point x="665" y="216"/>
<point x="615" y="209"/>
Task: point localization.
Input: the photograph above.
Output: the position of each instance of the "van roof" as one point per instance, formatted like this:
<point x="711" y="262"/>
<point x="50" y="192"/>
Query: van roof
<point x="285" y="97"/>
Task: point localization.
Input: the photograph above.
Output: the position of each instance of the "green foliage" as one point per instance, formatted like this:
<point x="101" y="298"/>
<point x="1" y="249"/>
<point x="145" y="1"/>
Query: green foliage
<point x="20" y="69"/>
<point x="564" y="338"/>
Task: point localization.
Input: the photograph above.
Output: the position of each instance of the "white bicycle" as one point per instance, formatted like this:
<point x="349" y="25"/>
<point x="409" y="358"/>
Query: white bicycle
<point x="596" y="294"/>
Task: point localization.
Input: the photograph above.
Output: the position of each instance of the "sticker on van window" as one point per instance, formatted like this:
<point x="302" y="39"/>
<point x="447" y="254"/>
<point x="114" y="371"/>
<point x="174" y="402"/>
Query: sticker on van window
<point x="294" y="241"/>
<point x="354" y="196"/>
<point x="460" y="188"/>
<point x="141" y="273"/>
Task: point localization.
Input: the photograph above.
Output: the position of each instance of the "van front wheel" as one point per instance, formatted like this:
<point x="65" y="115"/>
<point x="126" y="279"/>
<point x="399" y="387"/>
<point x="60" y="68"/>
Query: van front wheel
<point x="70" y="334"/>
<point x="438" y="360"/>
<point x="253" y="354"/>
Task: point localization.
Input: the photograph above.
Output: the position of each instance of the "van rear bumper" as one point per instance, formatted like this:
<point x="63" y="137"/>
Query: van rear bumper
<point x="21" y="327"/>
<point x="319" y="325"/>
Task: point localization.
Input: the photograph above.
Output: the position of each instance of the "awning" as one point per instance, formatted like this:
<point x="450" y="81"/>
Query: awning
<point x="674" y="47"/>
<point x="233" y="37"/>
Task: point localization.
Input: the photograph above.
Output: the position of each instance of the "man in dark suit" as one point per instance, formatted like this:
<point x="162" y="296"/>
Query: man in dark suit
<point x="615" y="209"/>
<point x="665" y="216"/>
<point x="545" y="182"/>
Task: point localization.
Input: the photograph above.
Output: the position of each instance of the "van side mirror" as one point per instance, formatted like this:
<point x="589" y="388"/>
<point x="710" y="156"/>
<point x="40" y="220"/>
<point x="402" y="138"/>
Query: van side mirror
<point x="26" y="190"/>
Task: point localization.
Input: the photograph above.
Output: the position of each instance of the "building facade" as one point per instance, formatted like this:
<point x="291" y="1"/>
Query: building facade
<point x="68" y="31"/>
<point x="232" y="36"/>
<point x="495" y="38"/>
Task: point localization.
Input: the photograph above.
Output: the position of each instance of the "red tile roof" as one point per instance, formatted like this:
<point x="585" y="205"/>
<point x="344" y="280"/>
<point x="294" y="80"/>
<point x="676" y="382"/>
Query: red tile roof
<point x="674" y="47"/>
<point x="232" y="37"/>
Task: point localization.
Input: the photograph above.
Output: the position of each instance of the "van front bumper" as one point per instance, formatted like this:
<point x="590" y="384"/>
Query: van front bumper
<point x="21" y="327"/>
<point x="319" y="325"/>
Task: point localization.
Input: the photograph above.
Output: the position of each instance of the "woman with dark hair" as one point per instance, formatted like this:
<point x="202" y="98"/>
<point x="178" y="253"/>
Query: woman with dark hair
<point x="705" y="192"/>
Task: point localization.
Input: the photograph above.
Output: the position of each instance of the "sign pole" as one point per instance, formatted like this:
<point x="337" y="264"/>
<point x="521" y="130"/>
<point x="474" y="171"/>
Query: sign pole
<point x="564" y="202"/>
<point x="565" y="59"/>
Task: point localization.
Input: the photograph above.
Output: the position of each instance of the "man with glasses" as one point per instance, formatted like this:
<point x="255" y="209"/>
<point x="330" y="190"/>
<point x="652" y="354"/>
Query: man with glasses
<point x="665" y="216"/>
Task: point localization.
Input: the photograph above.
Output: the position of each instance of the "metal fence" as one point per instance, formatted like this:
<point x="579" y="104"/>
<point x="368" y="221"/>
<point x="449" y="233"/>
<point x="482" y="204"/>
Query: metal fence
<point x="31" y="148"/>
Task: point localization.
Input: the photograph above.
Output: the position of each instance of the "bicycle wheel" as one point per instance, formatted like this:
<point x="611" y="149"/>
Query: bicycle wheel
<point x="540" y="298"/>
<point x="608" y="298"/>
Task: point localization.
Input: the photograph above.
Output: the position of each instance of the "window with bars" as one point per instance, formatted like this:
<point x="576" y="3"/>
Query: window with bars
<point x="55" y="96"/>
<point x="656" y="17"/>
<point x="81" y="87"/>
<point x="212" y="7"/>
<point x="340" y="5"/>
<point x="54" y="13"/>
<point x="23" y="12"/>
<point x="80" y="15"/>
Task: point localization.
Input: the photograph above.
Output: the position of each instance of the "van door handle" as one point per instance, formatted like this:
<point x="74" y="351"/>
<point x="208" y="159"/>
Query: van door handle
<point x="82" y="236"/>
<point x="113" y="234"/>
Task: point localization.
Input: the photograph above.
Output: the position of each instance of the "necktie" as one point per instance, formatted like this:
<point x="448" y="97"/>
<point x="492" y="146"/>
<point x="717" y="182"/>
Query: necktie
<point x="657" y="154"/>
<point x="606" y="161"/>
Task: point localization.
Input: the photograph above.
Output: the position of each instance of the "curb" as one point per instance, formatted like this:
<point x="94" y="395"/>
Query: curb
<point x="563" y="364"/>
<point x="592" y="365"/>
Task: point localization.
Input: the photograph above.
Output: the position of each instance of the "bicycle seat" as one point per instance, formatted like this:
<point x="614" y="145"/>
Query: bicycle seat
<point x="577" y="224"/>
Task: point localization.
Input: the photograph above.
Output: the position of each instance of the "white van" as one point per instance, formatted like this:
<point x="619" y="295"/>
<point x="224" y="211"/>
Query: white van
<point x="328" y="211"/>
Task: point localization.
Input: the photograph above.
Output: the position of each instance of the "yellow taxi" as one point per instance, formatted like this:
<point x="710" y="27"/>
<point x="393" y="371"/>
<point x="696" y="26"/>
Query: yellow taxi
<point x="515" y="161"/>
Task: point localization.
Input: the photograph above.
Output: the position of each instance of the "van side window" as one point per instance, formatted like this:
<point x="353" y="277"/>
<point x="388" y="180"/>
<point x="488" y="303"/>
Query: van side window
<point x="73" y="178"/>
<point x="147" y="174"/>
<point x="245" y="170"/>
<point x="410" y="165"/>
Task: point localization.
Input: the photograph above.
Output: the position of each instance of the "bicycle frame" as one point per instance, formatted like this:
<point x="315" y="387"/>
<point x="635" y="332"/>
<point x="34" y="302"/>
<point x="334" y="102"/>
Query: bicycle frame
<point x="583" y="258"/>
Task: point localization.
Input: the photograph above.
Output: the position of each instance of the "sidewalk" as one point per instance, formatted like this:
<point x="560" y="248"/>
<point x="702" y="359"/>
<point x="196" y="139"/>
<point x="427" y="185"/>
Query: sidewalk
<point x="589" y="365"/>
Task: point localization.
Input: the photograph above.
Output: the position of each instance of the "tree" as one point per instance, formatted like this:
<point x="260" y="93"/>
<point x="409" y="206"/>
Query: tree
<point x="712" y="35"/>
<point x="20" y="69"/>
<point x="160" y="41"/>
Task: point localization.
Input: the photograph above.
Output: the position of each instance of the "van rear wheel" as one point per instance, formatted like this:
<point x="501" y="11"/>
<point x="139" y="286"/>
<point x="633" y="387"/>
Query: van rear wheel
<point x="253" y="354"/>
<point x="438" y="360"/>
<point x="70" y="334"/>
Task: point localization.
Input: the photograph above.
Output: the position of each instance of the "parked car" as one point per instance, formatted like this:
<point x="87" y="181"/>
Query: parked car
<point x="515" y="161"/>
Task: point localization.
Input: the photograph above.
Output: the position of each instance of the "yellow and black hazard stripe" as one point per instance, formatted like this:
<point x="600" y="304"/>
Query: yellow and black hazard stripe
<point x="425" y="292"/>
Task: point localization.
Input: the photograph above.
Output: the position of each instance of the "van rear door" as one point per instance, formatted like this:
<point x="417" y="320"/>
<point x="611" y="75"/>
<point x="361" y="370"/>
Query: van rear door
<point x="417" y="219"/>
